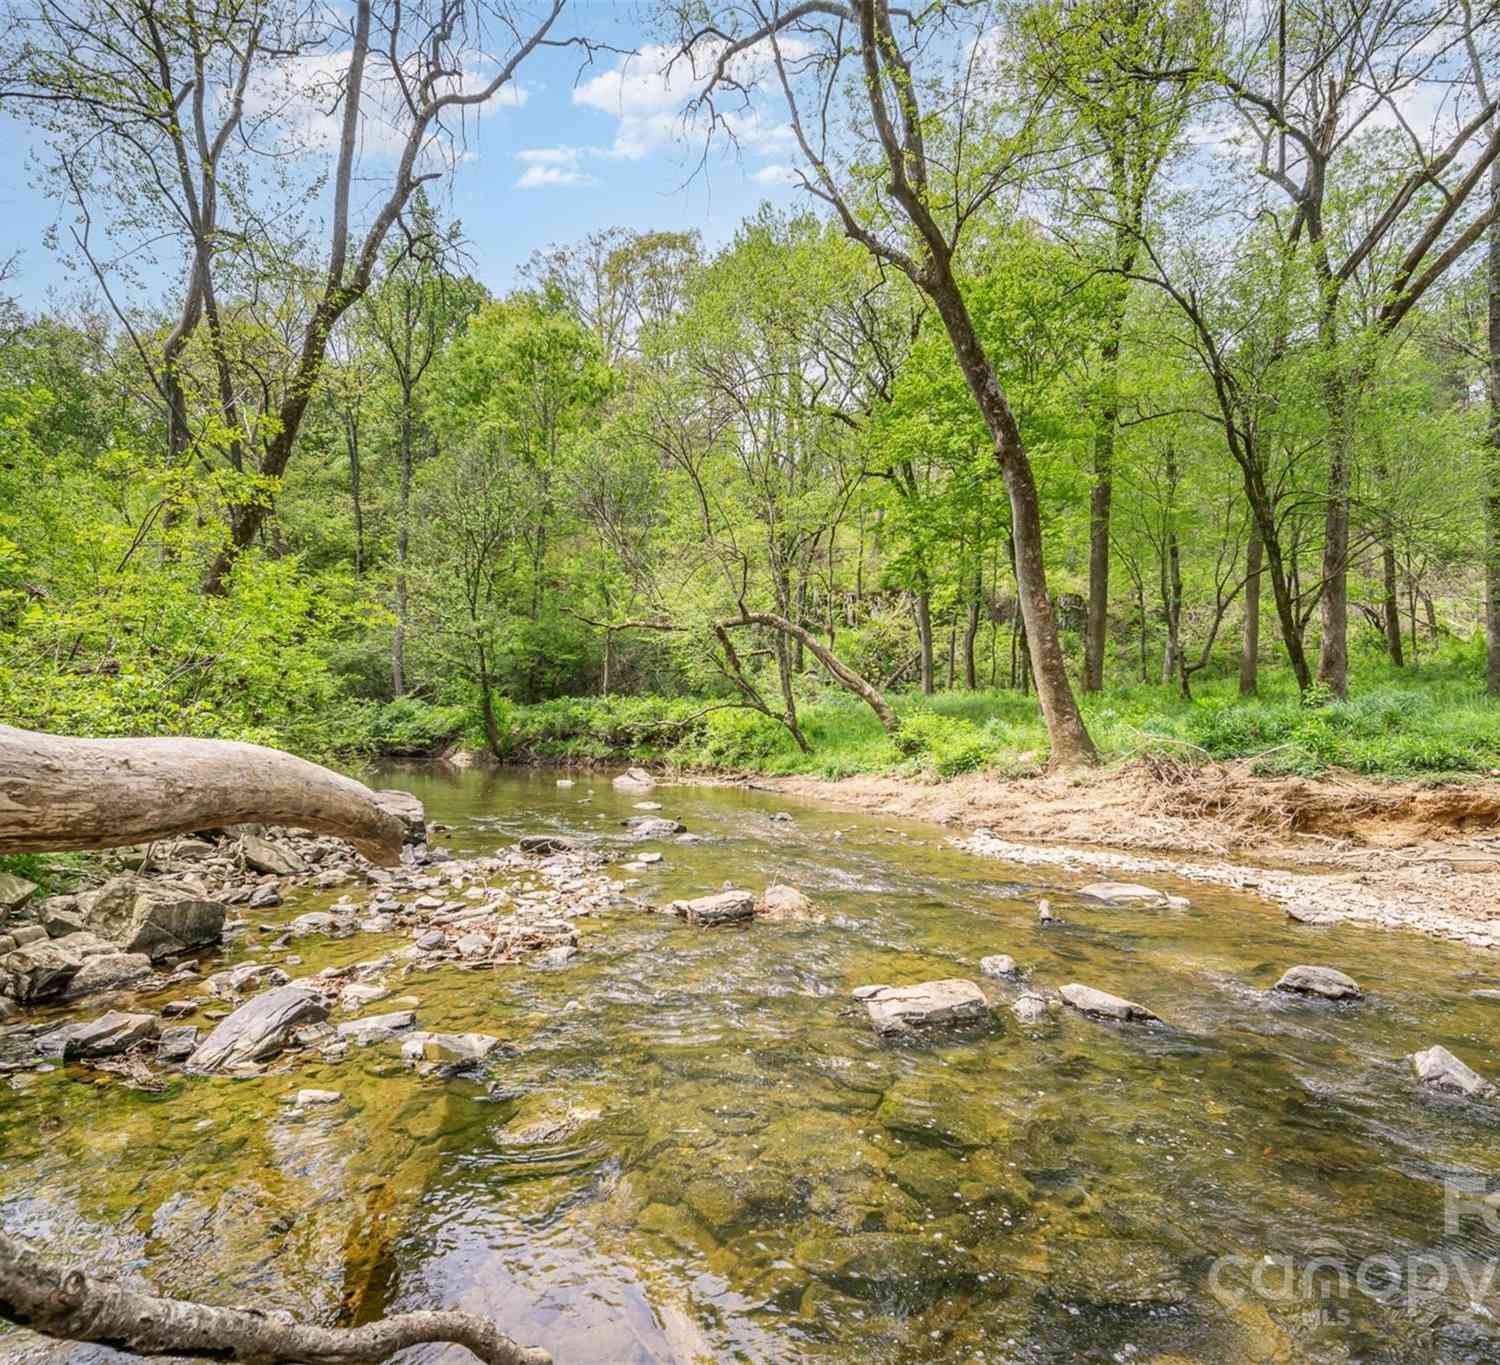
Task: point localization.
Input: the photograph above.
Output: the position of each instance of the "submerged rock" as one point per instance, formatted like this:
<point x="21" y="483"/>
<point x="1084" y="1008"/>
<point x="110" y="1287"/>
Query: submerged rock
<point x="305" y="1098"/>
<point x="1102" y="1005"/>
<point x="111" y="1034"/>
<point x="635" y="779"/>
<point x="726" y="907"/>
<point x="543" y="844"/>
<point x="377" y="1027"/>
<point x="652" y="826"/>
<point x="177" y="1044"/>
<point x="780" y="902"/>
<point x="1320" y="981"/>
<point x="930" y="1004"/>
<point x="1000" y="964"/>
<point x="260" y="1028"/>
<point x="1492" y="996"/>
<point x="1132" y="893"/>
<point x="1440" y="1069"/>
<point x="448" y="1047"/>
<point x="152" y="917"/>
<point x="1032" y="1009"/>
<point x="245" y="979"/>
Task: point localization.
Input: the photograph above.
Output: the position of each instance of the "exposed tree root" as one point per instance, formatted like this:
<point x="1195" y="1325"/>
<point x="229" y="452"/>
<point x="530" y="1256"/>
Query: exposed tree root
<point x="69" y="1304"/>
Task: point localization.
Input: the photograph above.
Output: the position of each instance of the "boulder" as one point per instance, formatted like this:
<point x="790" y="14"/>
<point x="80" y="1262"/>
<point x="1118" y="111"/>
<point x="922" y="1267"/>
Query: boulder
<point x="781" y="902"/>
<point x="1000" y="964"/>
<point x="407" y="809"/>
<point x="448" y="1047"/>
<point x="39" y="970"/>
<point x="261" y="855"/>
<point x="111" y="1034"/>
<point x="142" y="916"/>
<point x="1440" y="1069"/>
<point x="543" y="844"/>
<point x="265" y="897"/>
<point x="652" y="826"/>
<point x="376" y="1028"/>
<point x="1319" y="981"/>
<point x="635" y="779"/>
<point x="259" y="1028"/>
<point x="14" y="892"/>
<point x="60" y="915"/>
<point x="1132" y="893"/>
<point x="1102" y="1005"/>
<point x="109" y="972"/>
<point x="931" y="1004"/>
<point x="727" y="907"/>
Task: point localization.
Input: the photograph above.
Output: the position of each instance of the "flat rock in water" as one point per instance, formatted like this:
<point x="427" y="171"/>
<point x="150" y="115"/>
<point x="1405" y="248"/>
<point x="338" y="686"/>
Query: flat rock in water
<point x="1103" y="1005"/>
<point x="244" y="979"/>
<point x="448" y="1047"/>
<point x="259" y="1028"/>
<point x="1492" y="996"/>
<point x="111" y="1034"/>
<point x="930" y="1004"/>
<point x="360" y="994"/>
<point x="109" y="972"/>
<point x="1132" y="893"/>
<point x="726" y="907"/>
<point x="652" y="826"/>
<point x="177" y="1044"/>
<point x="377" y="1027"/>
<point x="648" y="805"/>
<point x="1000" y="964"/>
<point x="779" y="902"/>
<point x="1440" y="1069"/>
<point x="1312" y="914"/>
<point x="1031" y="1009"/>
<point x="635" y="779"/>
<point x="543" y="844"/>
<point x="306" y="1098"/>
<point x="1320" y="981"/>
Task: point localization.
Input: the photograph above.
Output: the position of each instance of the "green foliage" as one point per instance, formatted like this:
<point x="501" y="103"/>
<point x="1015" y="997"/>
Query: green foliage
<point x="411" y="726"/>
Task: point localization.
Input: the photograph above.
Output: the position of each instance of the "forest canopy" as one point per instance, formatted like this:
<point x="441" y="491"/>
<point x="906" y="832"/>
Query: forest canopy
<point x="1117" y="365"/>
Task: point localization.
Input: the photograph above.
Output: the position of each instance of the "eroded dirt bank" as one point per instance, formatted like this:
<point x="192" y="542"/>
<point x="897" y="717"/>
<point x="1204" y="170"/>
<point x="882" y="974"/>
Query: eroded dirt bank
<point x="1399" y="855"/>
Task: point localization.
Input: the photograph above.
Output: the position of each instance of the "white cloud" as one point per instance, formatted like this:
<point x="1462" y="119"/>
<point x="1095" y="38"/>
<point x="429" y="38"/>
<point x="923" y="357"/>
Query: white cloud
<point x="776" y="175"/>
<point x="550" y="156"/>
<point x="648" y="93"/>
<point x="539" y="177"/>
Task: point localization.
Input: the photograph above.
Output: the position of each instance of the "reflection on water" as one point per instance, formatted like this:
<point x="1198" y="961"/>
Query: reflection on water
<point x="695" y="1148"/>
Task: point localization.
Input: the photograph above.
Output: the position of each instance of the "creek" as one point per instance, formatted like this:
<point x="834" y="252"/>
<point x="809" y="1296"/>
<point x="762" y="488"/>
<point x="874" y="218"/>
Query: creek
<point x="694" y="1146"/>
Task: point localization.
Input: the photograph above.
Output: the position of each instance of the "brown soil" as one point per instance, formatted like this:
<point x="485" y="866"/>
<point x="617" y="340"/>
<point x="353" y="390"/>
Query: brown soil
<point x="1395" y="854"/>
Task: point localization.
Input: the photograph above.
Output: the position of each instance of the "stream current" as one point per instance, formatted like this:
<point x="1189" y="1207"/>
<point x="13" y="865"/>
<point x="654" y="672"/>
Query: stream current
<point x="695" y="1148"/>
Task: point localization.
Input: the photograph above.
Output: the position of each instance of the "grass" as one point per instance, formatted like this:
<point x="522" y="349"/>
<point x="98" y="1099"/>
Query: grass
<point x="1432" y="721"/>
<point x="52" y="872"/>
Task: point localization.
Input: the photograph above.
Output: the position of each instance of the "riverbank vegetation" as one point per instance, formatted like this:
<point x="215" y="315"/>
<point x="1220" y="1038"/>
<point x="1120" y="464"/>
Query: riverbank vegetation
<point x="1146" y="400"/>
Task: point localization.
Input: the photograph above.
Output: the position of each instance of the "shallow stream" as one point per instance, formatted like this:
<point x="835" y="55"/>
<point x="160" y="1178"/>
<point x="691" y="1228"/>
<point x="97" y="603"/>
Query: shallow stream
<point x="697" y="1149"/>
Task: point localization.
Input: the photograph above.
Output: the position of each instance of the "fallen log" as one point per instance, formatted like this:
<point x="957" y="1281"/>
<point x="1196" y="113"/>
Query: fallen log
<point x="59" y="793"/>
<point x="73" y="1306"/>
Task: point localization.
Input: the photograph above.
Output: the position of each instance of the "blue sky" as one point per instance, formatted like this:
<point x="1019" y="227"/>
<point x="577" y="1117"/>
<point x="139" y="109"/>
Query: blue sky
<point x="573" y="151"/>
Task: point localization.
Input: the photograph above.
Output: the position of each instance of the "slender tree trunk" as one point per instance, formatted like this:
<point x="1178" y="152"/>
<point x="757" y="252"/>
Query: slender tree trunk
<point x="1333" y="605"/>
<point x="351" y="437"/>
<point x="1492" y="453"/>
<point x="1067" y="736"/>
<point x="922" y="605"/>
<point x="1140" y="608"/>
<point x="1171" y="592"/>
<point x="1390" y="608"/>
<point x="403" y="541"/>
<point x="1250" y="629"/>
<point x="952" y="655"/>
<point x="800" y="618"/>
<point x="971" y="634"/>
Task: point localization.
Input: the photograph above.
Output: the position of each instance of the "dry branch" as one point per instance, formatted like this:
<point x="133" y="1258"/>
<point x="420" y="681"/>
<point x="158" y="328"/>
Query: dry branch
<point x="60" y="793"/>
<point x="74" y="1306"/>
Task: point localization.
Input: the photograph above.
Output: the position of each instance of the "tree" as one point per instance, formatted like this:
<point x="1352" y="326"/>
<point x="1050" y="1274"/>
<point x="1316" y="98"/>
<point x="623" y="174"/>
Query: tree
<point x="922" y="205"/>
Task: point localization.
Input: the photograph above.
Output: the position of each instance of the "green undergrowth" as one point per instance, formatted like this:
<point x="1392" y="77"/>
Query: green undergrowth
<point x="1433" y="721"/>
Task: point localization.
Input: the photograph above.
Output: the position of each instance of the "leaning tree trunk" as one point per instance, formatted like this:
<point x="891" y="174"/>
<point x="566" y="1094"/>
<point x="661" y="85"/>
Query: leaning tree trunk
<point x="60" y="793"/>
<point x="65" y="1302"/>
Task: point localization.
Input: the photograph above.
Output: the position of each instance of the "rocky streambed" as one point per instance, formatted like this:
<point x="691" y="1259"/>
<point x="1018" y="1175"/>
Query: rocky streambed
<point x="688" y="1073"/>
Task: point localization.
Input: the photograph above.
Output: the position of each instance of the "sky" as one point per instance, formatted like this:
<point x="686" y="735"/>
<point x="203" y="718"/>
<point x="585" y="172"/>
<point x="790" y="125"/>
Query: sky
<point x="576" y="148"/>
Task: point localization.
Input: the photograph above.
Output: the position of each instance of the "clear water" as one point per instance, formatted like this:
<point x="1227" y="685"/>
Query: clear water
<point x="698" y="1150"/>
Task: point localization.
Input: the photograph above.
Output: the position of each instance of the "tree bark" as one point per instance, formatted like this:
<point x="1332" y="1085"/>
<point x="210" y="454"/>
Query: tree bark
<point x="59" y="793"/>
<point x="971" y="633"/>
<point x="71" y="1305"/>
<point x="1390" y="607"/>
<point x="403" y="546"/>
<point x="923" y="608"/>
<point x="1250" y="629"/>
<point x="1492" y="452"/>
<point x="1101" y="497"/>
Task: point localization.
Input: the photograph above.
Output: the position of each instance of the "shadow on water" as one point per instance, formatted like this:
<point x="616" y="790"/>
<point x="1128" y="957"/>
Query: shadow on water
<point x="695" y="1149"/>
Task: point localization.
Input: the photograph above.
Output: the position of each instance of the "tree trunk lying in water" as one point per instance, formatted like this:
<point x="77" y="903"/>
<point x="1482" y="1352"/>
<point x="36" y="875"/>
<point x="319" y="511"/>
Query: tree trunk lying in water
<point x="61" y="793"/>
<point x="71" y="1305"/>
